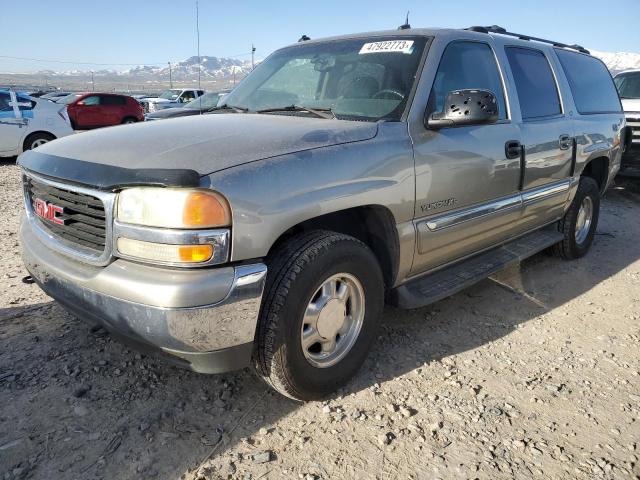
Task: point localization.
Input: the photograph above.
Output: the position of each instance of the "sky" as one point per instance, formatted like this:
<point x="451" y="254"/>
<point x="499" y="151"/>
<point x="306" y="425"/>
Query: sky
<point x="119" y="32"/>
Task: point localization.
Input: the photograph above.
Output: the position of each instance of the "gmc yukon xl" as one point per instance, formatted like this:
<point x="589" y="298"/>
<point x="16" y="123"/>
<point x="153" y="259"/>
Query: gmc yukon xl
<point x="397" y="166"/>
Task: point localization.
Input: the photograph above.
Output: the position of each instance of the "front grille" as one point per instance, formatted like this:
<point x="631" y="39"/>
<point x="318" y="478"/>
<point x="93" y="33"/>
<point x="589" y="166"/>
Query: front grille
<point x="633" y="123"/>
<point x="83" y="215"/>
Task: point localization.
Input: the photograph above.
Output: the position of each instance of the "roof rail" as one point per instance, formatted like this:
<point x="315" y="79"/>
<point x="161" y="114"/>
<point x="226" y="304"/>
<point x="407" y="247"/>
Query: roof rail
<point x="502" y="31"/>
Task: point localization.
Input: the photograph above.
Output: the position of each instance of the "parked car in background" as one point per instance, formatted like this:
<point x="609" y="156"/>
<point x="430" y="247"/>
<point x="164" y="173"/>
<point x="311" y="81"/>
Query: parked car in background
<point x="26" y="122"/>
<point x="195" y="107"/>
<point x="174" y="97"/>
<point x="93" y="110"/>
<point x="53" y="96"/>
<point x="628" y="85"/>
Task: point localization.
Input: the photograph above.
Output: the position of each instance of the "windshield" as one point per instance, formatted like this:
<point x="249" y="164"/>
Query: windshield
<point x="69" y="98"/>
<point x="170" y="94"/>
<point x="359" y="79"/>
<point x="628" y="84"/>
<point x="206" y="101"/>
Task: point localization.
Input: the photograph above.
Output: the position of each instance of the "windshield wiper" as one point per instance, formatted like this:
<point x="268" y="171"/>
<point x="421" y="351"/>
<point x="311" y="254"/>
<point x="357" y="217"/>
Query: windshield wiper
<point x="322" y="112"/>
<point x="229" y="107"/>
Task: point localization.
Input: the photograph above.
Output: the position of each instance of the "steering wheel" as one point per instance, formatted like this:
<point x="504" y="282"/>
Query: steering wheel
<point x="388" y="94"/>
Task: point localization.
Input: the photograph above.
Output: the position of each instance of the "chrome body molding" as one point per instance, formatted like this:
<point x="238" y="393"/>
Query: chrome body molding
<point x="59" y="244"/>
<point x="464" y="215"/>
<point x="499" y="206"/>
<point x="219" y="238"/>
<point x="540" y="193"/>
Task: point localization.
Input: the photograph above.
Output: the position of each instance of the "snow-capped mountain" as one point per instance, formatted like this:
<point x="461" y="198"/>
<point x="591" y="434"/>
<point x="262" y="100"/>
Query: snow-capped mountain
<point x="619" y="61"/>
<point x="210" y="67"/>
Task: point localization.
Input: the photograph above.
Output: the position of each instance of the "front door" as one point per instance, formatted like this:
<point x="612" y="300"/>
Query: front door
<point x="547" y="135"/>
<point x="89" y="112"/>
<point x="467" y="196"/>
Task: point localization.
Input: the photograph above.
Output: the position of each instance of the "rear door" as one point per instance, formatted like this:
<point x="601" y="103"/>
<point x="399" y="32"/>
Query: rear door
<point x="467" y="196"/>
<point x="547" y="134"/>
<point x="113" y="109"/>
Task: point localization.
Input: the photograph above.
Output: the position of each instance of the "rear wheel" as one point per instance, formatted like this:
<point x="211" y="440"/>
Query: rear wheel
<point x="321" y="308"/>
<point x="580" y="222"/>
<point x="37" y="139"/>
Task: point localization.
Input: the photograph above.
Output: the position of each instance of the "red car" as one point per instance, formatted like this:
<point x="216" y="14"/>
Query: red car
<point x="92" y="110"/>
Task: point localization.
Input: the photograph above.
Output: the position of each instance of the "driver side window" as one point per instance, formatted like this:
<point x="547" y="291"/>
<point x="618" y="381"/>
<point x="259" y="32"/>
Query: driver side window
<point x="467" y="65"/>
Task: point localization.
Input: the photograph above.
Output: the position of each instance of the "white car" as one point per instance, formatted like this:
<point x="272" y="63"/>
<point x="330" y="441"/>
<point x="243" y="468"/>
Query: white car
<point x="174" y="97"/>
<point x="26" y="122"/>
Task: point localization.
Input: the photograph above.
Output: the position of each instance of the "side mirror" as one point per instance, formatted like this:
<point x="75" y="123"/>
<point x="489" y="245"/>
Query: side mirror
<point x="465" y="107"/>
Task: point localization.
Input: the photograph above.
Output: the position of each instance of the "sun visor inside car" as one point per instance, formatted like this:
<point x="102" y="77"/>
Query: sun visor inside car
<point x="105" y="177"/>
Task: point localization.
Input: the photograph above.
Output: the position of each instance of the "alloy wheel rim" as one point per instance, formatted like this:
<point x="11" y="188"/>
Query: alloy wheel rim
<point x="332" y="320"/>
<point x="584" y="220"/>
<point x="38" y="142"/>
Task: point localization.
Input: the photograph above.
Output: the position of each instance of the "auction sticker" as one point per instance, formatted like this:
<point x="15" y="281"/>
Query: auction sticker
<point x="400" y="46"/>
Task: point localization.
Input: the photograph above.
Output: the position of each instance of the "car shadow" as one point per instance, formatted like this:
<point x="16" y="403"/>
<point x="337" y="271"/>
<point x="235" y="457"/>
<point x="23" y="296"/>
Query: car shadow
<point x="84" y="406"/>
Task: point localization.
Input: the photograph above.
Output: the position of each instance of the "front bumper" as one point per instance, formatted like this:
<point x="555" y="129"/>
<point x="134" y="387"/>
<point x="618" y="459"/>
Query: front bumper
<point x="203" y="319"/>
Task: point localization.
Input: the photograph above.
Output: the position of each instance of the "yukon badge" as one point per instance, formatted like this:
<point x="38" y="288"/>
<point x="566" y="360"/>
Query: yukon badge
<point x="449" y="202"/>
<point x="48" y="211"/>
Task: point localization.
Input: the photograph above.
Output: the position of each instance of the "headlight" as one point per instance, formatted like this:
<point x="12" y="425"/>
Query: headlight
<point x="172" y="226"/>
<point x="173" y="208"/>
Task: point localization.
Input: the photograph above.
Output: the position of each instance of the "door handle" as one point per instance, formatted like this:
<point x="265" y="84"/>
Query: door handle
<point x="565" y="142"/>
<point x="512" y="149"/>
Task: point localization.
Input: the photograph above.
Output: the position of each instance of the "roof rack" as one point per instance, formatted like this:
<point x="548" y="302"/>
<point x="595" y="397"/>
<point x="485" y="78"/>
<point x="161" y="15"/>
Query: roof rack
<point x="502" y="31"/>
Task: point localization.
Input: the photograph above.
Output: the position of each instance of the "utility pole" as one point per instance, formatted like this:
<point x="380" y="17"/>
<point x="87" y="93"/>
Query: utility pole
<point x="170" y="80"/>
<point x="93" y="84"/>
<point x="253" y="51"/>
<point x="198" y="35"/>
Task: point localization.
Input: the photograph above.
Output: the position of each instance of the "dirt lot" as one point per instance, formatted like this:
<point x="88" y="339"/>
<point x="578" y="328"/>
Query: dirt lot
<point x="533" y="373"/>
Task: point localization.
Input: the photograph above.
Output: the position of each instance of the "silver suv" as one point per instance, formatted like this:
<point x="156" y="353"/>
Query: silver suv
<point x="399" y="166"/>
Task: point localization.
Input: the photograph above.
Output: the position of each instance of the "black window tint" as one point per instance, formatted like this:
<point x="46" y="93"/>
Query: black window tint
<point x="535" y="84"/>
<point x="628" y="84"/>
<point x="590" y="82"/>
<point x="112" y="100"/>
<point x="4" y="102"/>
<point x="25" y="103"/>
<point x="467" y="65"/>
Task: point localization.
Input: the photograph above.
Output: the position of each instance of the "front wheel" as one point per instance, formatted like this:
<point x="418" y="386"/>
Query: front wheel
<point x="579" y="223"/>
<point x="321" y="308"/>
<point x="129" y="120"/>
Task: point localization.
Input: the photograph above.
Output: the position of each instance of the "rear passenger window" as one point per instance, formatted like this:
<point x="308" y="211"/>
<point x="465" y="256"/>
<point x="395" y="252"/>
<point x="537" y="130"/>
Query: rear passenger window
<point x="536" y="87"/>
<point x="467" y="65"/>
<point x="112" y="100"/>
<point x="590" y="82"/>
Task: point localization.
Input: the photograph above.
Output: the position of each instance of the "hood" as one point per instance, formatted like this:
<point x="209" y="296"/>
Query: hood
<point x="173" y="112"/>
<point x="631" y="104"/>
<point x="202" y="143"/>
<point x="155" y="100"/>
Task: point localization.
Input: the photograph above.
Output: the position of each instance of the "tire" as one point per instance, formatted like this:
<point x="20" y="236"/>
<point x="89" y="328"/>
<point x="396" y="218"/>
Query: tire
<point x="297" y="271"/>
<point x="36" y="139"/>
<point x="128" y="120"/>
<point x="577" y="241"/>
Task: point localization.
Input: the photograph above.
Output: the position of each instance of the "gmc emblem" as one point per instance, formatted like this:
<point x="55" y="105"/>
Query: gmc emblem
<point x="48" y="211"/>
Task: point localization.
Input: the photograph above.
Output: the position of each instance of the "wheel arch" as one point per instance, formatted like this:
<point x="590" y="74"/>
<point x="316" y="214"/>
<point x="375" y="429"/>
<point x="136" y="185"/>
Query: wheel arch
<point x="598" y="169"/>
<point x="31" y="134"/>
<point x="374" y="225"/>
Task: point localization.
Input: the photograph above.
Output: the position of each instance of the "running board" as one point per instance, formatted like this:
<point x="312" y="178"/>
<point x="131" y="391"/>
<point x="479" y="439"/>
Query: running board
<point x="444" y="283"/>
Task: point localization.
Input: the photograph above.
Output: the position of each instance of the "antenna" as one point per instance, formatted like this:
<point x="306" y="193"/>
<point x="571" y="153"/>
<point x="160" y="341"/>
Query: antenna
<point x="198" y="35"/>
<point x="406" y="25"/>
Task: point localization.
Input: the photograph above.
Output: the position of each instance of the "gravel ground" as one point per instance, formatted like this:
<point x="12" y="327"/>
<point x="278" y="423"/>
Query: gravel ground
<point x="534" y="372"/>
